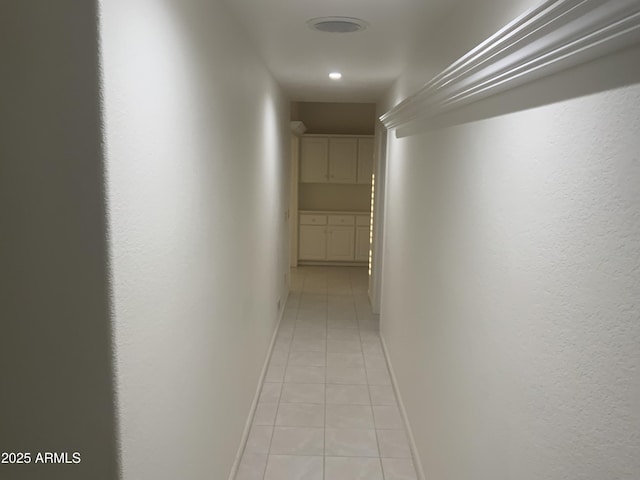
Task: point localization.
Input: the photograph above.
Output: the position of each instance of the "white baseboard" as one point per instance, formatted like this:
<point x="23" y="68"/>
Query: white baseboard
<point x="417" y="463"/>
<point x="256" y="398"/>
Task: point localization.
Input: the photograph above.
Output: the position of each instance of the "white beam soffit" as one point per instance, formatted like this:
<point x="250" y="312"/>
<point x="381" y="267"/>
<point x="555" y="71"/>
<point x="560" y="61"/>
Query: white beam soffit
<point x="550" y="38"/>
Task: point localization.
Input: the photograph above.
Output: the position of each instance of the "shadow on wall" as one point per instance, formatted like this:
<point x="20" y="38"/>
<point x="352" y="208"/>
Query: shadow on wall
<point x="55" y="343"/>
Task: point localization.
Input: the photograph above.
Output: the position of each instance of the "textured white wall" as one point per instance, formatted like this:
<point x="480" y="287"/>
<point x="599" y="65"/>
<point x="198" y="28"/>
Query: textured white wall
<point x="56" y="387"/>
<point x="511" y="286"/>
<point x="197" y="146"/>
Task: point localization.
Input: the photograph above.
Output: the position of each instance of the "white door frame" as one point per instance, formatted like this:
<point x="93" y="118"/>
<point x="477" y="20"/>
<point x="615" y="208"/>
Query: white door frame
<point x="293" y="200"/>
<point x="377" y="246"/>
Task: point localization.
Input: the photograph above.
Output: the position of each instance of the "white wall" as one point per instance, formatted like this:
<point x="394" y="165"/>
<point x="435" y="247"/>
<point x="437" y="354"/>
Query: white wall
<point x="348" y="198"/>
<point x="336" y="118"/>
<point x="56" y="389"/>
<point x="511" y="285"/>
<point x="197" y="143"/>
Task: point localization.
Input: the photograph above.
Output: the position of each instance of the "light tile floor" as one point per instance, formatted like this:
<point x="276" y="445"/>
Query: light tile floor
<point x="327" y="410"/>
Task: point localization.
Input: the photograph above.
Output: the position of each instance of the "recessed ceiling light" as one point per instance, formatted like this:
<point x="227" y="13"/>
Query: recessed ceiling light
<point x="335" y="75"/>
<point x="337" y="24"/>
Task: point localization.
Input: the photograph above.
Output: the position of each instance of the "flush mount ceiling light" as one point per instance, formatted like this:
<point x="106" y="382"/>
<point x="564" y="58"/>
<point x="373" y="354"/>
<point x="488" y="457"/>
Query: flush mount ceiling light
<point x="337" y="24"/>
<point x="335" y="75"/>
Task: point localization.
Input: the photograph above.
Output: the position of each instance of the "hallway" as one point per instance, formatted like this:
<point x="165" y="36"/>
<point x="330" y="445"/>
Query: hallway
<point x="165" y="163"/>
<point x="327" y="410"/>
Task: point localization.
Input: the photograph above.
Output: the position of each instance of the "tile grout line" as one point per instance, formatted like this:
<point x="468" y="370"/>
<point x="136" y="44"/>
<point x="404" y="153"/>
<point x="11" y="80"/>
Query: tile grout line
<point x="366" y="370"/>
<point x="286" y="366"/>
<point x="281" y="390"/>
<point x="250" y="419"/>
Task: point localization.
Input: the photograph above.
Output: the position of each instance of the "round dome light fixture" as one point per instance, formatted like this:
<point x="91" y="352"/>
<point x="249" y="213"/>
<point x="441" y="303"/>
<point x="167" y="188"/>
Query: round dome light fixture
<point x="335" y="75"/>
<point x="337" y="24"/>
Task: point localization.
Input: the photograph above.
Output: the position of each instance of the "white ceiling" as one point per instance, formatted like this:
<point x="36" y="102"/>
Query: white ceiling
<point x="301" y="58"/>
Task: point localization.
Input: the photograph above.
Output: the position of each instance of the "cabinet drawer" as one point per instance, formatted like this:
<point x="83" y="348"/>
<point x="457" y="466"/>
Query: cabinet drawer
<point x="341" y="220"/>
<point x="310" y="219"/>
<point x="362" y="220"/>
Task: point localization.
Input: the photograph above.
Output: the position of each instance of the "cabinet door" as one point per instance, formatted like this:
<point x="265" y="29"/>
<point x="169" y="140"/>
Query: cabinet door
<point x="340" y="243"/>
<point x="314" y="160"/>
<point x="365" y="160"/>
<point x="362" y="244"/>
<point x="312" y="244"/>
<point x="343" y="160"/>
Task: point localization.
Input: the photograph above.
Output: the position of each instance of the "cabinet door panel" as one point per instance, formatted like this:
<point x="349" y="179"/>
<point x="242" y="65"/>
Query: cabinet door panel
<point x="340" y="243"/>
<point x="362" y="244"/>
<point x="312" y="244"/>
<point x="314" y="155"/>
<point x="365" y="160"/>
<point x="343" y="160"/>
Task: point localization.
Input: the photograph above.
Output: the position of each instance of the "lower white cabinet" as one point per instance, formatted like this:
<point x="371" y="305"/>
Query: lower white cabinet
<point x="333" y="237"/>
<point x="312" y="244"/>
<point x="340" y="243"/>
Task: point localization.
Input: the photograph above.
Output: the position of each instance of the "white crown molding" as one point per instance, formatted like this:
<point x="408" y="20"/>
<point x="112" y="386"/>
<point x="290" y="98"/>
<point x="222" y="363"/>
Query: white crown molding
<point x="555" y="36"/>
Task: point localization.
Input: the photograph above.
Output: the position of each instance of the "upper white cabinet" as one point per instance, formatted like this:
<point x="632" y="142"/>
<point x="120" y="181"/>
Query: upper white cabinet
<point x="343" y="160"/>
<point x="314" y="160"/>
<point x="332" y="159"/>
<point x="365" y="160"/>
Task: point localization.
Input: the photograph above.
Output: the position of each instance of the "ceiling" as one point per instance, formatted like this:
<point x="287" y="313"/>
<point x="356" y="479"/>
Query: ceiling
<point x="370" y="60"/>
